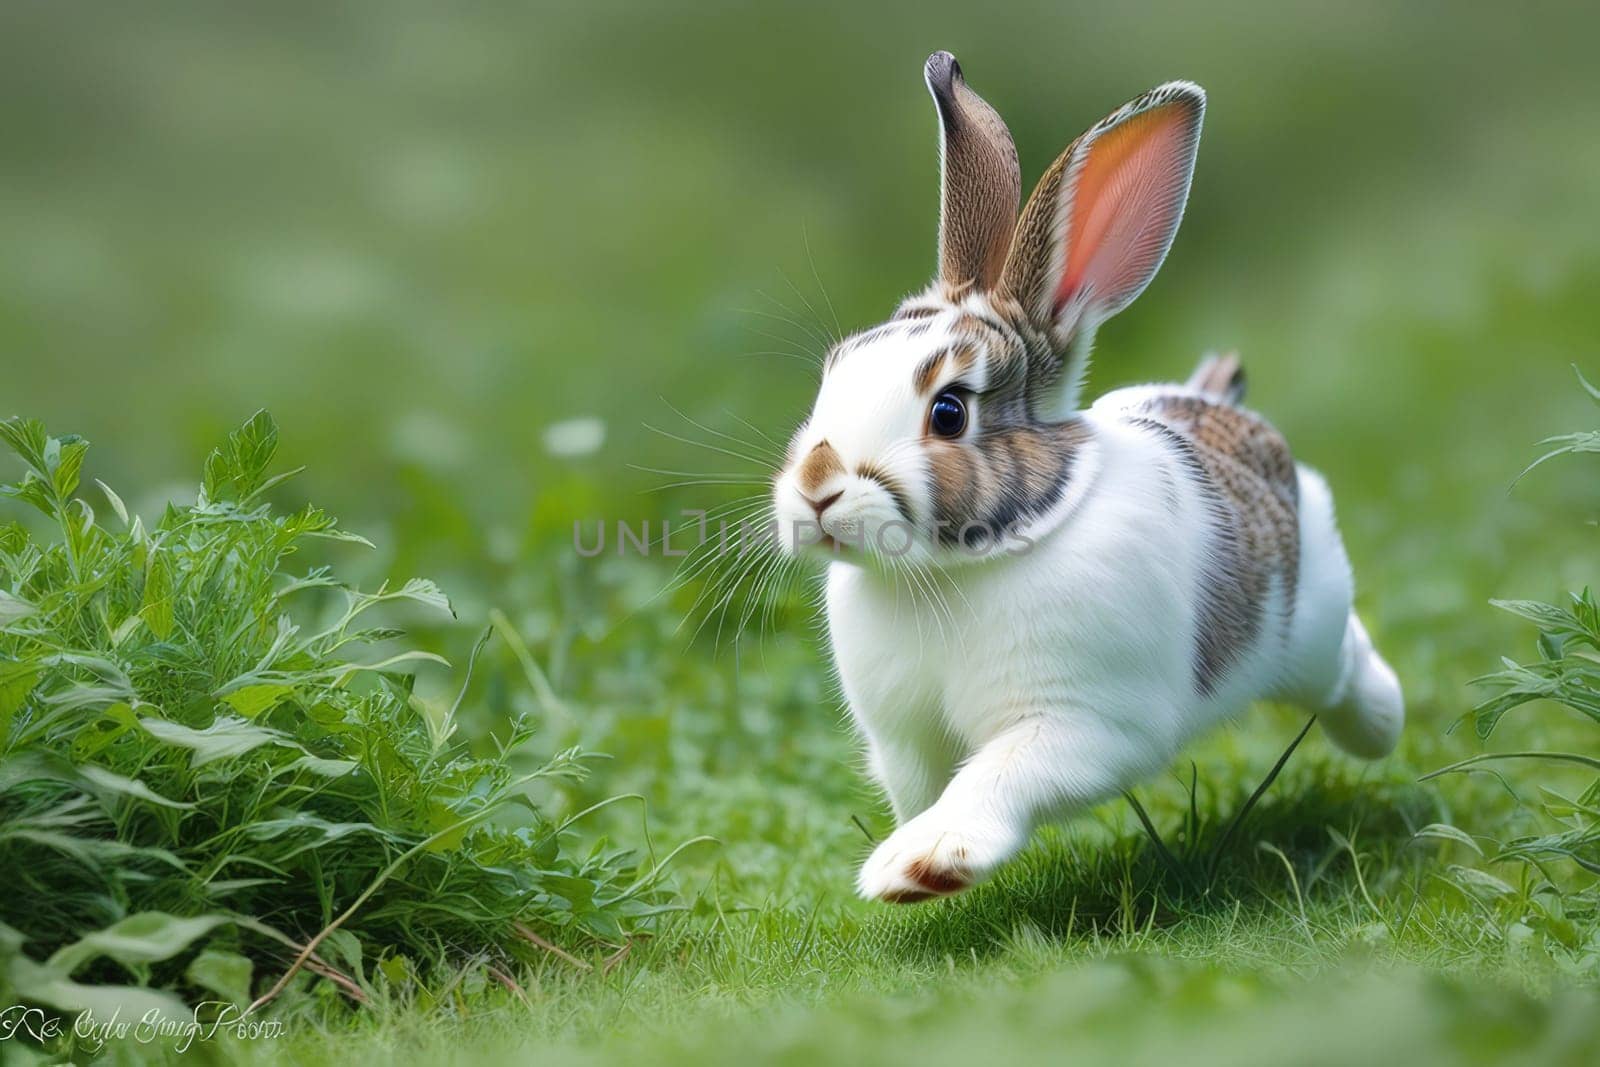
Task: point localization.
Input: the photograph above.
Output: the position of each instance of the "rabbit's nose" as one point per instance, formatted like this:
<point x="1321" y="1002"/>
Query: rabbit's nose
<point x="819" y="506"/>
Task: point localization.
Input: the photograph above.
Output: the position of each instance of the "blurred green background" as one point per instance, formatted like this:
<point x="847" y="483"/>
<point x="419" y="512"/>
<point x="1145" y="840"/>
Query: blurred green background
<point x="423" y="235"/>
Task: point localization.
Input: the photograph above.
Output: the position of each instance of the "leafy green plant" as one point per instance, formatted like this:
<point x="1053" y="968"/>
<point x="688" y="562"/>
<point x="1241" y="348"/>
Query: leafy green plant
<point x="214" y="770"/>
<point x="1565" y="670"/>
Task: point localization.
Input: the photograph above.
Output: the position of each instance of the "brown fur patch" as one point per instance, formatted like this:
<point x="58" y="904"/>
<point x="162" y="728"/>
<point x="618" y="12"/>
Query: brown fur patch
<point x="962" y="356"/>
<point x="936" y="880"/>
<point x="927" y="371"/>
<point x="1003" y="475"/>
<point x="1011" y="354"/>
<point x="1248" y="468"/>
<point x="820" y="464"/>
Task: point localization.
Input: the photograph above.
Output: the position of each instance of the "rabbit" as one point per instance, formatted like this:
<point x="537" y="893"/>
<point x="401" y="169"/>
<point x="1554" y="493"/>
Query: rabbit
<point x="1031" y="605"/>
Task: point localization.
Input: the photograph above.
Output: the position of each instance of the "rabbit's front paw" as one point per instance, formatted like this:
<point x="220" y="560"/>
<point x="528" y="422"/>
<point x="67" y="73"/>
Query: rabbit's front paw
<point x="932" y="856"/>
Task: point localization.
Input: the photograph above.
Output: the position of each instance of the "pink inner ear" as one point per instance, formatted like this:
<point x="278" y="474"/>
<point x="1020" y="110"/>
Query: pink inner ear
<point x="1126" y="205"/>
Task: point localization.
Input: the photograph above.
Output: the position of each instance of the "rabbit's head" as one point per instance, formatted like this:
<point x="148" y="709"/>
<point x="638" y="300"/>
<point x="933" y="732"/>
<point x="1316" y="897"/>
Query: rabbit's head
<point x="949" y="431"/>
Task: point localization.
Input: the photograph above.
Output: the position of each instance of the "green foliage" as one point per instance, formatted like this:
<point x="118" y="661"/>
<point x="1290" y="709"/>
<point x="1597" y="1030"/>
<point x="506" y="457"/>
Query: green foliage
<point x="1566" y="671"/>
<point x="205" y="757"/>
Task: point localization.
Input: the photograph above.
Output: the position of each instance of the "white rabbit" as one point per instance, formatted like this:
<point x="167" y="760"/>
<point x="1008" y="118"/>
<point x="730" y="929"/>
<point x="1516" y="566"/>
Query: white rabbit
<point x="1032" y="606"/>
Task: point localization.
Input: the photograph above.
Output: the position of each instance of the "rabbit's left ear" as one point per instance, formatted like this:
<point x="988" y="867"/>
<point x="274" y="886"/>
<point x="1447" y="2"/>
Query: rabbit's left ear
<point x="980" y="184"/>
<point x="1102" y="218"/>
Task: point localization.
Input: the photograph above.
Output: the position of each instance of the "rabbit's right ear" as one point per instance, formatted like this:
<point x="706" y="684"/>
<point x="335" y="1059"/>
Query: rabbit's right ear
<point x="1103" y="216"/>
<point x="980" y="187"/>
<point x="1099" y="224"/>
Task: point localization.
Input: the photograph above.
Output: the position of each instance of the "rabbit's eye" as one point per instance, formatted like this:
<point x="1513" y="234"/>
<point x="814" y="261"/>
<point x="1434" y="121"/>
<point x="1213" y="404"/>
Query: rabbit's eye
<point x="948" y="416"/>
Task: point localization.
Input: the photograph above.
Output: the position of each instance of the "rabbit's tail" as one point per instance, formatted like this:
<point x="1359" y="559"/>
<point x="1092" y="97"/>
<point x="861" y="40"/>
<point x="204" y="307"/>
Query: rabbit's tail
<point x="1220" y="376"/>
<point x="1367" y="709"/>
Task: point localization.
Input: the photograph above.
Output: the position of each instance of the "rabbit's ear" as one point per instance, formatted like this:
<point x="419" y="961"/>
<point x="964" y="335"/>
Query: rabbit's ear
<point x="980" y="182"/>
<point x="1102" y="218"/>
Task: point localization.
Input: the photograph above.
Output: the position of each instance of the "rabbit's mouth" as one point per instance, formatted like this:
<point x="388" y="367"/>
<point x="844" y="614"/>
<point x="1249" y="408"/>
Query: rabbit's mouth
<point x="834" y="545"/>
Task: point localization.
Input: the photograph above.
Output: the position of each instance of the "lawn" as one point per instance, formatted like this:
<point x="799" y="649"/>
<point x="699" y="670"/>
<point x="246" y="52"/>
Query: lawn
<point x="494" y="273"/>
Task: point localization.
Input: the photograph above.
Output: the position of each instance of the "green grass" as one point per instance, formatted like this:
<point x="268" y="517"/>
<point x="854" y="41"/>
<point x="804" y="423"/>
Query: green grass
<point x="1088" y="947"/>
<point x="423" y="239"/>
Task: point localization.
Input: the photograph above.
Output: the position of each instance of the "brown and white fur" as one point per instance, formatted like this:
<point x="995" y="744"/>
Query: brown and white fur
<point x="1068" y="595"/>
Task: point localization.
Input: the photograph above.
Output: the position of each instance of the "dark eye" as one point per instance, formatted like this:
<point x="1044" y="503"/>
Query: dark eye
<point x="948" y="416"/>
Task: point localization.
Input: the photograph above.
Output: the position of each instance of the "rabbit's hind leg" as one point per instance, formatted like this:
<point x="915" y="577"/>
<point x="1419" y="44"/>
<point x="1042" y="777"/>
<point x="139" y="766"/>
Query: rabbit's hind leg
<point x="1332" y="669"/>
